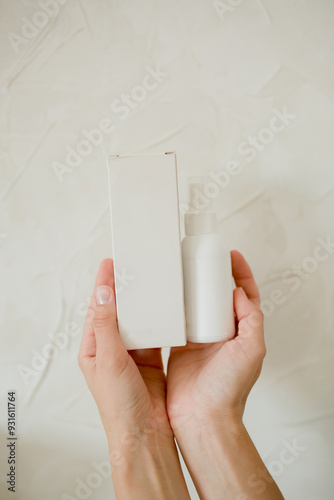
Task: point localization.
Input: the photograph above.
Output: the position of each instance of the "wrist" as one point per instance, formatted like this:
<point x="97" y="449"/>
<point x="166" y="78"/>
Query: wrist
<point x="146" y="465"/>
<point x="128" y="434"/>
<point x="204" y="434"/>
<point x="221" y="451"/>
<point x="200" y="422"/>
<point x="131" y="448"/>
<point x="126" y="440"/>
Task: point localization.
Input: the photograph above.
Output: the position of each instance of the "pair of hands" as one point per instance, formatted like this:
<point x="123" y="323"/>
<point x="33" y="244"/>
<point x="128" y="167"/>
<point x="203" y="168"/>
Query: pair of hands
<point x="204" y="383"/>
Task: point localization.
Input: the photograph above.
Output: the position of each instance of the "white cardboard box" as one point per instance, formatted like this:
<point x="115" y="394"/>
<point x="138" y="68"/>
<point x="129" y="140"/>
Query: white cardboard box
<point x="147" y="249"/>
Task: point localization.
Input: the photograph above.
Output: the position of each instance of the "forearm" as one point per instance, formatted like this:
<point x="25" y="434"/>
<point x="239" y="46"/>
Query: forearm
<point x="224" y="463"/>
<point x="145" y="467"/>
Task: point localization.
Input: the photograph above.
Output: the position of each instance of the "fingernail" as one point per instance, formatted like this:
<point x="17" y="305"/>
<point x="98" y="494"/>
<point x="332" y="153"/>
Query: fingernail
<point x="102" y="295"/>
<point x="243" y="291"/>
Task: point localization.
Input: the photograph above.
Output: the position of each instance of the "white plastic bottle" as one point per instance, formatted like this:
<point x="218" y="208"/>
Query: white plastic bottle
<point x="208" y="286"/>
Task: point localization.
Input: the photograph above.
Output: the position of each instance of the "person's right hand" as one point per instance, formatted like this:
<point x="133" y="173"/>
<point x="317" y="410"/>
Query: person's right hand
<point x="128" y="386"/>
<point x="208" y="382"/>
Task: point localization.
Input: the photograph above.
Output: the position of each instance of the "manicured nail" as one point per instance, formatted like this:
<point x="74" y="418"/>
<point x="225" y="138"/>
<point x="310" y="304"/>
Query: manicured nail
<point x="102" y="295"/>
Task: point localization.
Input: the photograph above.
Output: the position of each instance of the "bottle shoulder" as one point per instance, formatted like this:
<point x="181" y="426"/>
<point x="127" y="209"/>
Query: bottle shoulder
<point x="204" y="246"/>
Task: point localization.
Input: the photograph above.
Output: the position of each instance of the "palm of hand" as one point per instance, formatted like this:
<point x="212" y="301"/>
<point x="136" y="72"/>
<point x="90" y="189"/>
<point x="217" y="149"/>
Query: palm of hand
<point x="148" y="388"/>
<point x="215" y="379"/>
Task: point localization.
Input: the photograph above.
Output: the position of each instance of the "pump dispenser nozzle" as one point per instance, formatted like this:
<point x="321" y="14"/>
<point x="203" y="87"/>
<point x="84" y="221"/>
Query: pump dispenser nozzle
<point x="201" y="217"/>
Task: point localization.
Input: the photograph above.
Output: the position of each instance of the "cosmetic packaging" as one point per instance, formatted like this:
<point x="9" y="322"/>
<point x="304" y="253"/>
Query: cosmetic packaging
<point x="145" y="225"/>
<point x="208" y="282"/>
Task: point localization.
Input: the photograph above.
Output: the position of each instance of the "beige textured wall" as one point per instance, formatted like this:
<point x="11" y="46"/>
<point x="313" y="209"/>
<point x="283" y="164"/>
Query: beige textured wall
<point x="157" y="76"/>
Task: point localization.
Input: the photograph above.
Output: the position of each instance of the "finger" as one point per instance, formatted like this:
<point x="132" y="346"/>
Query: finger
<point x="243" y="306"/>
<point x="250" y="319"/>
<point x="105" y="274"/>
<point x="108" y="341"/>
<point x="147" y="357"/>
<point x="243" y="277"/>
<point x="88" y="342"/>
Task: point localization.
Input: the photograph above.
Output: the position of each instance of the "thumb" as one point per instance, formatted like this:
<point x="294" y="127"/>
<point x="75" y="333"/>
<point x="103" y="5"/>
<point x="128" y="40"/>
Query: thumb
<point x="105" y="322"/>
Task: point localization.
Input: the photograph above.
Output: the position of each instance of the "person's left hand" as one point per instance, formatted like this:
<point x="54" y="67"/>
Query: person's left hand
<point x="129" y="387"/>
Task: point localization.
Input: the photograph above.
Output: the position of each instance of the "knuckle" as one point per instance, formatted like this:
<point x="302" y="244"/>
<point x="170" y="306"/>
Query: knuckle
<point x="258" y="316"/>
<point x="101" y="322"/>
<point x="115" y="361"/>
<point x="255" y="319"/>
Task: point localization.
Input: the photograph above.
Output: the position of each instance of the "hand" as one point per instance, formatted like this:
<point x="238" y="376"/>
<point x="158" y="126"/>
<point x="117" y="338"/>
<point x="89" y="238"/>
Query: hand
<point x="206" y="381"/>
<point x="130" y="391"/>
<point x="207" y="388"/>
<point x="128" y="386"/>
